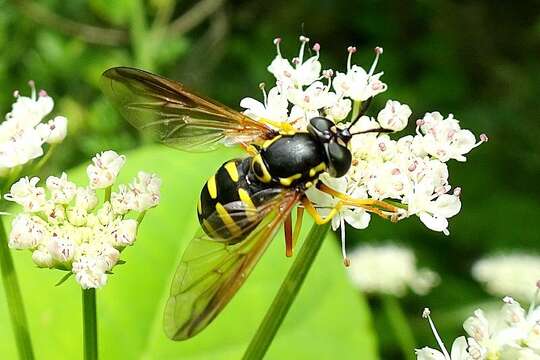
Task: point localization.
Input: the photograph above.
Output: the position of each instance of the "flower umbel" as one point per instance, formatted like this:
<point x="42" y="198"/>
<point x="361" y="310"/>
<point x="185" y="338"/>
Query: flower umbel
<point x="66" y="228"/>
<point x="511" y="333"/>
<point x="392" y="177"/>
<point x="512" y="274"/>
<point x="371" y="271"/>
<point x="23" y="134"/>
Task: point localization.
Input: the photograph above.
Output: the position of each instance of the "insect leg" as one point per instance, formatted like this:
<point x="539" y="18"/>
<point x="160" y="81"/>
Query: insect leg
<point x="364" y="203"/>
<point x="298" y="224"/>
<point x="308" y="205"/>
<point x="287" y="226"/>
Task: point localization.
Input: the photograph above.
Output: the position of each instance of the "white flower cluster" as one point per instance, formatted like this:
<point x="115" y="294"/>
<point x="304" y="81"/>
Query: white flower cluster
<point x="512" y="334"/>
<point x="373" y="270"/>
<point x="511" y="274"/>
<point x="410" y="171"/>
<point x="66" y="227"/>
<point x="23" y="133"/>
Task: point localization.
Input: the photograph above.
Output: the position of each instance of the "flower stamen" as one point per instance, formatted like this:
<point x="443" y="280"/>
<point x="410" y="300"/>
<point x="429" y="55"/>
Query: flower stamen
<point x="426" y="315"/>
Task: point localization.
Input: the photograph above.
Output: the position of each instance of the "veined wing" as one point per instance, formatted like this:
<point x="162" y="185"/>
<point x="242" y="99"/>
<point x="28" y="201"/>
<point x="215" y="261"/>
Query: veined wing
<point x="177" y="116"/>
<point x="212" y="270"/>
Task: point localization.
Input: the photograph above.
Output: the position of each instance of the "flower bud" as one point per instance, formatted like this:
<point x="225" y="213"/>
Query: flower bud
<point x="61" y="248"/>
<point x="77" y="216"/>
<point x="27" y="232"/>
<point x="125" y="232"/>
<point x="105" y="214"/>
<point x="89" y="272"/>
<point x="57" y="130"/>
<point x="62" y="190"/>
<point x="86" y="199"/>
<point x="104" y="169"/>
<point x="42" y="258"/>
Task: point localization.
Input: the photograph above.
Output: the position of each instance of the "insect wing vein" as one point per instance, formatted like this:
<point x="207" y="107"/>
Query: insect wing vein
<point x="211" y="271"/>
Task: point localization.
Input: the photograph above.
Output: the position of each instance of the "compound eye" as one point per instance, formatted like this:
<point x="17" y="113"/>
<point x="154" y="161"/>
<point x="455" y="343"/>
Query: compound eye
<point x="320" y="127"/>
<point x="339" y="159"/>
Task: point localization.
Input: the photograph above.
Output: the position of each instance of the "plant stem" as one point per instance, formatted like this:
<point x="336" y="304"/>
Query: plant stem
<point x="355" y="109"/>
<point x="14" y="299"/>
<point x="45" y="158"/>
<point x="108" y="191"/>
<point x="400" y="326"/>
<point x="90" y="324"/>
<point x="287" y="293"/>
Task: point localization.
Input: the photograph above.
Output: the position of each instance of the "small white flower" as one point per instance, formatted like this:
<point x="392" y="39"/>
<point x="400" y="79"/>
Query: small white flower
<point x="90" y="272"/>
<point x="54" y="131"/>
<point x="357" y="83"/>
<point x="62" y="190"/>
<point x="29" y="111"/>
<point x="316" y="96"/>
<point x="27" y="232"/>
<point x="301" y="72"/>
<point x="373" y="270"/>
<point x="86" y="198"/>
<point x="462" y="349"/>
<point x="123" y="200"/>
<point x="105" y="214"/>
<point x="275" y="106"/>
<point x="514" y="274"/>
<point x="339" y="110"/>
<point x="43" y="258"/>
<point x="62" y="249"/>
<point x="25" y="193"/>
<point x="394" y="115"/>
<point x="432" y="209"/>
<point x="104" y="169"/>
<point x="125" y="232"/>
<point x="444" y="139"/>
<point x="146" y="191"/>
<point x="77" y="216"/>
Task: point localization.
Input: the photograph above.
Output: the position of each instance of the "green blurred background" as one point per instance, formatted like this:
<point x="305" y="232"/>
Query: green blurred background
<point x="478" y="60"/>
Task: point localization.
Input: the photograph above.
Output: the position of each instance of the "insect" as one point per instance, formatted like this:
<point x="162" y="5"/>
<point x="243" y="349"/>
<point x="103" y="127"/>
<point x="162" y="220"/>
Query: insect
<point x="242" y="206"/>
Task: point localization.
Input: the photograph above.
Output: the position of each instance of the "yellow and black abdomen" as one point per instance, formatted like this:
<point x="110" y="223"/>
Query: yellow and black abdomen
<point x="230" y="185"/>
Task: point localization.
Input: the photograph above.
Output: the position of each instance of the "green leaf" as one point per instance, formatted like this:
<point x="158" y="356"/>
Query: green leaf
<point x="329" y="319"/>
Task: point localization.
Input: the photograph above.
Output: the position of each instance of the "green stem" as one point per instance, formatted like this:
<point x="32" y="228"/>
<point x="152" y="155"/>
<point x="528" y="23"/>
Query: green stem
<point x="108" y="191"/>
<point x="14" y="299"/>
<point x="90" y="324"/>
<point x="286" y="294"/>
<point x="400" y="326"/>
<point x="355" y="109"/>
<point x="45" y="158"/>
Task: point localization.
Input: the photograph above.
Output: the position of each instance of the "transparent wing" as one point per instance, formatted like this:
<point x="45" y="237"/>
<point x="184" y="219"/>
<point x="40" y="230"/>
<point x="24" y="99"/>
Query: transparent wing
<point x="177" y="116"/>
<point x="212" y="270"/>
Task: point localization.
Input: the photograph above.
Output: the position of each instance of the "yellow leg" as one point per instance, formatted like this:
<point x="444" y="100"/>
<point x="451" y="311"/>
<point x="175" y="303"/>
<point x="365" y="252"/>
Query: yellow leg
<point x="308" y="205"/>
<point x="364" y="203"/>
<point x="298" y="224"/>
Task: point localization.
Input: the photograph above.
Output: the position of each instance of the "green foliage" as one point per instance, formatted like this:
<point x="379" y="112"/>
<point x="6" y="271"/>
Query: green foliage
<point x="328" y="320"/>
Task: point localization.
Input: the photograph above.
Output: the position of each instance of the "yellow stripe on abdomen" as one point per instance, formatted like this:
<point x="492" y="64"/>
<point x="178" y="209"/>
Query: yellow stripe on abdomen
<point x="232" y="170"/>
<point x="212" y="188"/>
<point x="228" y="220"/>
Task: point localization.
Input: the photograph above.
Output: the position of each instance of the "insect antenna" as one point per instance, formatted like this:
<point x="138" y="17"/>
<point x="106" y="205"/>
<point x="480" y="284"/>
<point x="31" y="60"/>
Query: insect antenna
<point x="376" y="130"/>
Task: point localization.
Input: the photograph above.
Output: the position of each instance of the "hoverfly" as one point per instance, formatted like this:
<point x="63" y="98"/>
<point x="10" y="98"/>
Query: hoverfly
<point x="244" y="203"/>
